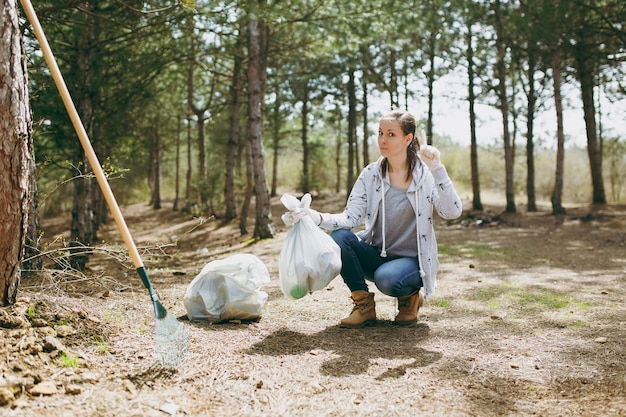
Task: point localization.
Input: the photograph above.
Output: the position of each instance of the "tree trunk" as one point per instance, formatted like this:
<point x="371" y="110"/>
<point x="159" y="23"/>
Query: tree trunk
<point x="394" y="95"/>
<point x="338" y="147"/>
<point x="351" y="131"/>
<point x="557" y="192"/>
<point x="156" y="169"/>
<point x="304" y="117"/>
<point x="177" y="166"/>
<point x="200" y="113"/>
<point x="585" y="74"/>
<point x="82" y="227"/>
<point x="366" y="132"/>
<point x="432" y="44"/>
<point x="530" y="145"/>
<point x="504" y="107"/>
<point x="33" y="262"/>
<point x="476" y="203"/>
<point x="247" y="197"/>
<point x="232" y="145"/>
<point x="189" y="173"/>
<point x="257" y="76"/>
<point x="276" y="143"/>
<point x="15" y="156"/>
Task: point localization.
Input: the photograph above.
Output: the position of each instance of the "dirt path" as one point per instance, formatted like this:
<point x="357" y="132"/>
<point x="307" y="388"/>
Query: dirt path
<point x="528" y="319"/>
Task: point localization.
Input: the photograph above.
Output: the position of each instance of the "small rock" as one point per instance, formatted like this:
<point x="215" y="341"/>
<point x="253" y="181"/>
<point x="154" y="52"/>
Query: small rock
<point x="129" y="386"/>
<point x="601" y="340"/>
<point x="170" y="408"/>
<point x="44" y="388"/>
<point x="73" y="389"/>
<point x="51" y="343"/>
<point x="6" y="397"/>
<point x="20" y="403"/>
<point x="65" y="330"/>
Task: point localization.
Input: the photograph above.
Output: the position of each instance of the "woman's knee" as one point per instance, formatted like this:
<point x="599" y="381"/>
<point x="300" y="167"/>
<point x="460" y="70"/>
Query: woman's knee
<point x="397" y="282"/>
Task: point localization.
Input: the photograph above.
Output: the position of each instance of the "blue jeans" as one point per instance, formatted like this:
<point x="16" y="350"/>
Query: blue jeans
<point x="394" y="276"/>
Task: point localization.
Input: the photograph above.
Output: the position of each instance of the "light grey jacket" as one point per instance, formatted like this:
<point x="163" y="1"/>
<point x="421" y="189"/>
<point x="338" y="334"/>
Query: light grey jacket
<point x="428" y="190"/>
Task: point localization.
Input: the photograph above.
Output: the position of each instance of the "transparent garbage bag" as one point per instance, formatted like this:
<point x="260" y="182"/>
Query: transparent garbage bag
<point x="228" y="289"/>
<point x="309" y="258"/>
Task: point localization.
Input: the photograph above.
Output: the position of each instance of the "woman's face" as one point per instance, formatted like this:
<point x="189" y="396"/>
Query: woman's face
<point x="392" y="141"/>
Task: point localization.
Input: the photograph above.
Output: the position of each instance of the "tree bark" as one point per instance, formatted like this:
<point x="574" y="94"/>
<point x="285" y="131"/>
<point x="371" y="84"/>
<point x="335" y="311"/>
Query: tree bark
<point x="351" y="131"/>
<point x="177" y="165"/>
<point x="304" y="133"/>
<point x="366" y="132"/>
<point x="15" y="156"/>
<point x="432" y="49"/>
<point x="257" y="77"/>
<point x="530" y="144"/>
<point x="476" y="202"/>
<point x="557" y="192"/>
<point x="232" y="144"/>
<point x="585" y="74"/>
<point x="156" y="168"/>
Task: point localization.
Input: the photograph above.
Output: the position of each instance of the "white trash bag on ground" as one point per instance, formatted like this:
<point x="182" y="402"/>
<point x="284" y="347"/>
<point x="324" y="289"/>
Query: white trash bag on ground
<point x="309" y="258"/>
<point x="228" y="289"/>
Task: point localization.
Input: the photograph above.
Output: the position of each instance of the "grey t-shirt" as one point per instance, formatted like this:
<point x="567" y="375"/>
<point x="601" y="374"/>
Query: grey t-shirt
<point x="400" y="226"/>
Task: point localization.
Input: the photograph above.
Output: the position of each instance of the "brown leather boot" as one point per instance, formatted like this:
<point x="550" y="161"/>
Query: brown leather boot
<point x="408" y="307"/>
<point x="363" y="313"/>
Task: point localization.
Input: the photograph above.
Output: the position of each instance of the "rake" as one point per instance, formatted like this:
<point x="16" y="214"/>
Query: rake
<point x="171" y="336"/>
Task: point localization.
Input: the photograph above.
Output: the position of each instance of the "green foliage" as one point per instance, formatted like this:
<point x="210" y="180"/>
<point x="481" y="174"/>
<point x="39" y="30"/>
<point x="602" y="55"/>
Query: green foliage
<point x="102" y="345"/>
<point x="31" y="311"/>
<point x="68" y="360"/>
<point x="134" y="70"/>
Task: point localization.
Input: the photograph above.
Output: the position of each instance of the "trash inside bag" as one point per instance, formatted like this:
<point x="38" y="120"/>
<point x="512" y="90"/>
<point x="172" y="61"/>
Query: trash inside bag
<point x="228" y="289"/>
<point x="309" y="258"/>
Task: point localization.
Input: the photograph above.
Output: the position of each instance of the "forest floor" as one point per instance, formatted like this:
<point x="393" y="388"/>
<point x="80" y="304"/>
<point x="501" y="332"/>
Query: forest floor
<point x="528" y="319"/>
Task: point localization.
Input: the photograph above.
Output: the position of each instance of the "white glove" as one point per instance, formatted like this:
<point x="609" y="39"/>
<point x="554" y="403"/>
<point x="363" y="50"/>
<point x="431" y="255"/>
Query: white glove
<point x="299" y="213"/>
<point x="430" y="156"/>
<point x="292" y="217"/>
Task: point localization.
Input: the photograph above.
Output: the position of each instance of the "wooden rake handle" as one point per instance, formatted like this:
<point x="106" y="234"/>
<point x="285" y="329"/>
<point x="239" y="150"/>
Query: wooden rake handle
<point x="82" y="135"/>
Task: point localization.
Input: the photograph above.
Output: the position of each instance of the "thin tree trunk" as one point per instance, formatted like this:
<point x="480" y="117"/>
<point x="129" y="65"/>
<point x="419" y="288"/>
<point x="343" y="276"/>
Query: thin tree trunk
<point x="156" y="167"/>
<point x="557" y="192"/>
<point x="247" y="197"/>
<point x="304" y="117"/>
<point x="15" y="156"/>
<point x="432" y="45"/>
<point x="504" y="107"/>
<point x="189" y="167"/>
<point x="394" y="95"/>
<point x="338" y="148"/>
<point x="476" y="203"/>
<point x="366" y="133"/>
<point x="594" y="147"/>
<point x="530" y="144"/>
<point x="276" y="143"/>
<point x="257" y="76"/>
<point x="351" y="130"/>
<point x="82" y="233"/>
<point x="177" y="174"/>
<point x="200" y="113"/>
<point x="232" y="145"/>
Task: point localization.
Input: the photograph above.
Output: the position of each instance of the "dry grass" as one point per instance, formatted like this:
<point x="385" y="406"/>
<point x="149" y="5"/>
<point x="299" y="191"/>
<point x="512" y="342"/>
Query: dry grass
<point x="527" y="320"/>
